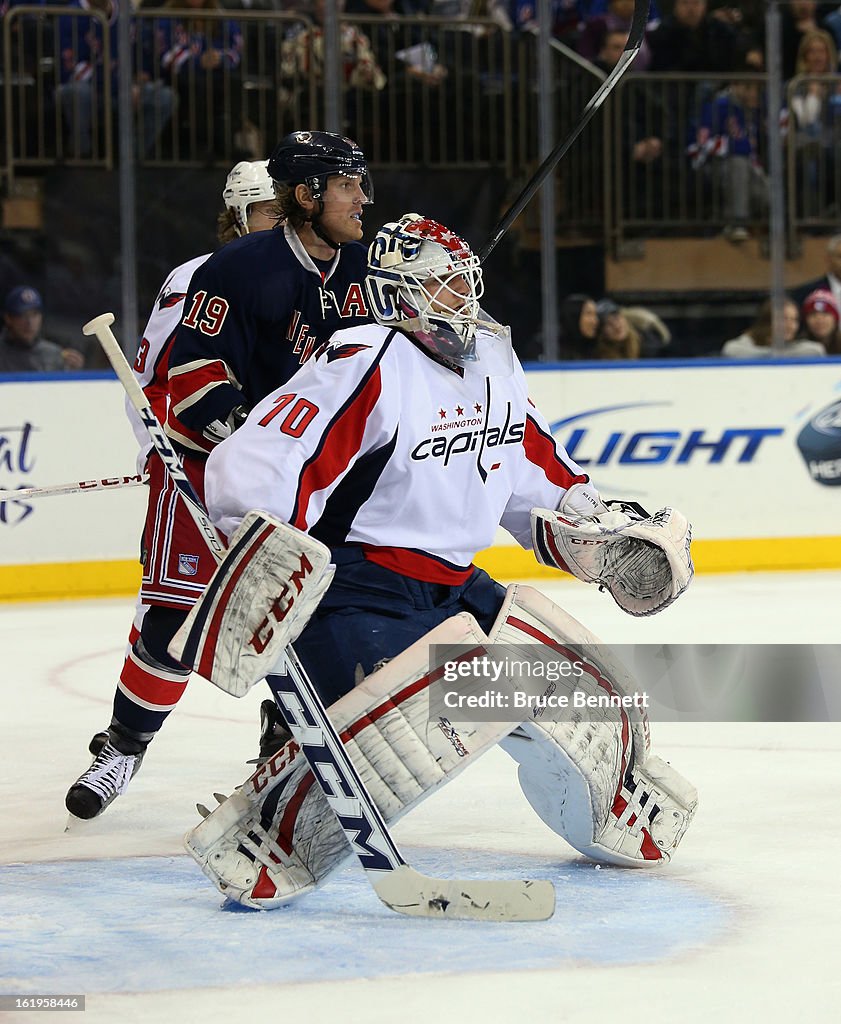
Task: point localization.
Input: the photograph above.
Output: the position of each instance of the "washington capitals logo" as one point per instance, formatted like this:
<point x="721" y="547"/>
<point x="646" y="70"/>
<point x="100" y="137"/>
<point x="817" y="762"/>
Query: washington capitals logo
<point x="344" y="351"/>
<point x="166" y="300"/>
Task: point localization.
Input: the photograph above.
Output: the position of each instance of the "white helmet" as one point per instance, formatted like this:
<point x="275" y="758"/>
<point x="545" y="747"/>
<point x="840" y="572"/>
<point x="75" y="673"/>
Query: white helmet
<point x="412" y="252"/>
<point x="248" y="183"/>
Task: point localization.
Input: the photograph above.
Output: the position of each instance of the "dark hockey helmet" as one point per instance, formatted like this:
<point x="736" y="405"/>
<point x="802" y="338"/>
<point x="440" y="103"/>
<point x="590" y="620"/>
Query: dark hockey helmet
<point x="310" y="158"/>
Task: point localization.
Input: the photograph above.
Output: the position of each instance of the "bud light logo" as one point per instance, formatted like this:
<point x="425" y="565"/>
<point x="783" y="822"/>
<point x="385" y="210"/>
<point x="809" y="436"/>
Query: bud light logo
<point x="597" y="445"/>
<point x="819" y="443"/>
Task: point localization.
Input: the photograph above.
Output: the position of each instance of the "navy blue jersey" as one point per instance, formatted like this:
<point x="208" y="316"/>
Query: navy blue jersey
<point x="255" y="311"/>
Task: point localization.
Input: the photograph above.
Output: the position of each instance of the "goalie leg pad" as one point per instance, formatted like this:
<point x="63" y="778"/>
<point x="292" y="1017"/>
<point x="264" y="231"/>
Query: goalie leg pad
<point x="279" y="838"/>
<point x="260" y="598"/>
<point x="589" y="776"/>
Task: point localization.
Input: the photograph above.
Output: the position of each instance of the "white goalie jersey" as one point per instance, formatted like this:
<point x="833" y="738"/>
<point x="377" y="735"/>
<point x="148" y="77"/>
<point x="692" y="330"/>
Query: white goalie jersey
<point x="376" y="443"/>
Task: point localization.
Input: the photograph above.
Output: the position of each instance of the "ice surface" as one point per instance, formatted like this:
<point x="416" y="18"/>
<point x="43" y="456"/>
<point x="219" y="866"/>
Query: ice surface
<point x="742" y="926"/>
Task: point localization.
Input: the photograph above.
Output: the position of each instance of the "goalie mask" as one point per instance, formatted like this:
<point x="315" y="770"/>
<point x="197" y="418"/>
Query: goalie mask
<point x="427" y="281"/>
<point x="248" y="183"/>
<point x="310" y="158"/>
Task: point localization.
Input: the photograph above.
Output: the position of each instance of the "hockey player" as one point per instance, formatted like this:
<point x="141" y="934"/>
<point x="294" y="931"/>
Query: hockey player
<point x="402" y="447"/>
<point x="249" y="200"/>
<point x="253" y="312"/>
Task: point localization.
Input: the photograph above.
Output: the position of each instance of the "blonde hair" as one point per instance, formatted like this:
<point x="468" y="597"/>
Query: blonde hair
<point x="226" y="227"/>
<point x="805" y="43"/>
<point x="629" y="348"/>
<point x="287" y="208"/>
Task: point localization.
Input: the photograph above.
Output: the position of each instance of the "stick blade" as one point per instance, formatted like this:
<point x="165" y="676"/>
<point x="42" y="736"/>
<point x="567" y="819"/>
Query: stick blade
<point x="407" y="891"/>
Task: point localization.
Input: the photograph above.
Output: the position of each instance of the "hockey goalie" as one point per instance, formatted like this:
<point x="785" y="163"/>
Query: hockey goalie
<point x="380" y="470"/>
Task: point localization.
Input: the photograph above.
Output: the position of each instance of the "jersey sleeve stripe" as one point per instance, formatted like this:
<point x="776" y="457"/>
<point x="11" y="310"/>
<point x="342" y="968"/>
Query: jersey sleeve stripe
<point x="340" y="441"/>
<point x="189" y="383"/>
<point x="541" y="450"/>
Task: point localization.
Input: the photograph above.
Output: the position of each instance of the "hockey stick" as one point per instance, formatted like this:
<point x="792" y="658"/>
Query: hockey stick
<point x="632" y="47"/>
<point x="82" y="487"/>
<point x="397" y="884"/>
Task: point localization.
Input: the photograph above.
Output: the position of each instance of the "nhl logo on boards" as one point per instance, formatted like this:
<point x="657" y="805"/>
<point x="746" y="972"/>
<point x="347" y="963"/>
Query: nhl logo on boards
<point x="188" y="565"/>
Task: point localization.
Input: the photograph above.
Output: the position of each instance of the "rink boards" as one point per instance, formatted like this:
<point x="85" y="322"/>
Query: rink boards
<point x="751" y="452"/>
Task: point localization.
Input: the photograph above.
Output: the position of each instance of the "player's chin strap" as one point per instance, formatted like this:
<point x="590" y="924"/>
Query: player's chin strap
<point x="586" y="770"/>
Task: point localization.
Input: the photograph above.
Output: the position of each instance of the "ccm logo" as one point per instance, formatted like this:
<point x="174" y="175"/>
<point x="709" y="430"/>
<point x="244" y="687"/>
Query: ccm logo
<point x="280" y="606"/>
<point x="274" y="766"/>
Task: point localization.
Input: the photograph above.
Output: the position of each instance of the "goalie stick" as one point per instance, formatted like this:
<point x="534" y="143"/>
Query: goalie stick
<point x="632" y="47"/>
<point x="107" y="483"/>
<point x="398" y="885"/>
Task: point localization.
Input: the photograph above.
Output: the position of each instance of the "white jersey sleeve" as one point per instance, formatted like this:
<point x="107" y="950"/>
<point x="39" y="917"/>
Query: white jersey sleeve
<point x="152" y="360"/>
<point x="546" y="473"/>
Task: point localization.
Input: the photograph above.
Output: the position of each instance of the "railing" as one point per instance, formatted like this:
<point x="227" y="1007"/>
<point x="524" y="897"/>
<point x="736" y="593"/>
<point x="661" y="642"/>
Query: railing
<point x="691" y="156"/>
<point x="417" y="93"/>
<point x="440" y="94"/>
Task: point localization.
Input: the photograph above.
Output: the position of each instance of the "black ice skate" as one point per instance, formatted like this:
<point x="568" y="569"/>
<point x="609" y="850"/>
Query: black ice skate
<point x="273" y="731"/>
<point x="117" y="760"/>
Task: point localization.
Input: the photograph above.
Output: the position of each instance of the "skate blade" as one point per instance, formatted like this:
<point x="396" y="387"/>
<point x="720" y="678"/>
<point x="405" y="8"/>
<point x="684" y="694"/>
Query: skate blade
<point x="78" y="825"/>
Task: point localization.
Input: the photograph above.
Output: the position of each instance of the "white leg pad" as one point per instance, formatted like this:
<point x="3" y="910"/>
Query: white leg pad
<point x="589" y="777"/>
<point x="276" y="838"/>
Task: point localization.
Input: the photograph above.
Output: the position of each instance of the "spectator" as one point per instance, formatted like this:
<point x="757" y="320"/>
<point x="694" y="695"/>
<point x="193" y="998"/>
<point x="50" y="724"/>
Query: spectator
<point x="22" y="349"/>
<point x="691" y="40"/>
<point x="417" y="56"/>
<point x="202" y="58"/>
<point x="616" y="19"/>
<point x="729" y="134"/>
<point x="655" y="336"/>
<point x="821" y="314"/>
<point x="640" y="148"/>
<point x="831" y="281"/>
<point x="832" y="23"/>
<point x="579" y="326"/>
<point x="756" y="341"/>
<point x="798" y="18"/>
<point x="814" y="105"/>
<point x="616" y="338"/>
<point x="85" y="79"/>
<point x="305" y="46"/>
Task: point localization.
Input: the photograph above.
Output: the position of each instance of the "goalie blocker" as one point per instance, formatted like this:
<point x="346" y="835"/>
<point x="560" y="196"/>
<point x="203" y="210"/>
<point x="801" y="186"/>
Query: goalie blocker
<point x="592" y="781"/>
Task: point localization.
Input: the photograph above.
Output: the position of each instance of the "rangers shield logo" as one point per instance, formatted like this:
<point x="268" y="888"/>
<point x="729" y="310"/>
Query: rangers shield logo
<point x="188" y="565"/>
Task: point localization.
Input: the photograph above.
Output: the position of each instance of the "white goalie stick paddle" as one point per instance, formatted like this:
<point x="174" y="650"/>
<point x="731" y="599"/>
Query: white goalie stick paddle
<point x="635" y="39"/>
<point x="397" y="884"/>
<point x="106" y="483"/>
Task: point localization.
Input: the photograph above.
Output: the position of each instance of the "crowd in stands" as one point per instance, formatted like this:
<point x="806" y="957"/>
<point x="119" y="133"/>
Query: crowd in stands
<point x="183" y="65"/>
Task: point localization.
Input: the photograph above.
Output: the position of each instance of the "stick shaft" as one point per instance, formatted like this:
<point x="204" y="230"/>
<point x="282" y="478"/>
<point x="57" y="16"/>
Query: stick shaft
<point x="108" y="483"/>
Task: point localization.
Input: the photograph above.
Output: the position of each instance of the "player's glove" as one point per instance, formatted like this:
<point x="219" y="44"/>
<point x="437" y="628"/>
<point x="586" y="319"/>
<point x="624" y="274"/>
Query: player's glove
<point x="644" y="561"/>
<point x="218" y="430"/>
